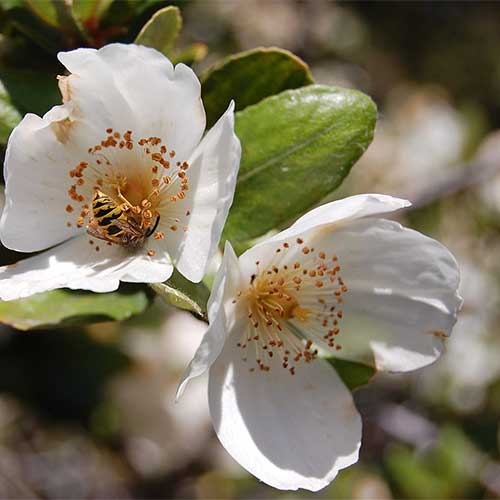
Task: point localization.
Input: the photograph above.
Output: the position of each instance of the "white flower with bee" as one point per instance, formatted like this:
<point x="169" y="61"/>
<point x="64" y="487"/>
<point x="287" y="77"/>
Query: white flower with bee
<point x="339" y="283"/>
<point x="117" y="182"/>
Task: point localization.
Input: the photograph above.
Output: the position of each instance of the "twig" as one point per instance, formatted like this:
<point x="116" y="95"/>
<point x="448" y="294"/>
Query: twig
<point x="470" y="175"/>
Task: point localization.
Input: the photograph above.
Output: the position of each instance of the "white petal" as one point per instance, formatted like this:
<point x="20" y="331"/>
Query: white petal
<point x="137" y="88"/>
<point x="213" y="171"/>
<point x="289" y="431"/>
<point x="221" y="316"/>
<point x="402" y="298"/>
<point x="36" y="177"/>
<point x="342" y="211"/>
<point x="76" y="264"/>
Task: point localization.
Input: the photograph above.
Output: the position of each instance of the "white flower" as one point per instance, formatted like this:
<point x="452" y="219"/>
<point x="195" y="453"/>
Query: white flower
<point x="117" y="177"/>
<point x="338" y="282"/>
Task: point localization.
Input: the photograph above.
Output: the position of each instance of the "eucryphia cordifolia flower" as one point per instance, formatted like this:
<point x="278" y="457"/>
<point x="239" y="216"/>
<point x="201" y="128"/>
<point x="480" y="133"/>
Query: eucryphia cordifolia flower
<point x="338" y="282"/>
<point x="118" y="177"/>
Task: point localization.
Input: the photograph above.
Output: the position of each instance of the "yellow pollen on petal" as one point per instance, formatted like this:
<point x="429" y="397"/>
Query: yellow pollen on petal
<point x="287" y="298"/>
<point x="301" y="313"/>
<point x="119" y="192"/>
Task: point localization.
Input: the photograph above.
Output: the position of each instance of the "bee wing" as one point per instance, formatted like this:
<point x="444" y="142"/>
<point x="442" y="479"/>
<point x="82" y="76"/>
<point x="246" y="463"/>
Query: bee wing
<point x="128" y="227"/>
<point x="97" y="232"/>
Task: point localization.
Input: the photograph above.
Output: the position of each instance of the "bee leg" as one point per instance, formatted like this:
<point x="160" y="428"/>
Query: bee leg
<point x="150" y="231"/>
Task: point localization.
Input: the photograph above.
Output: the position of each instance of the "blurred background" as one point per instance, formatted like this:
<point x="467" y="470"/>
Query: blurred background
<point x="89" y="413"/>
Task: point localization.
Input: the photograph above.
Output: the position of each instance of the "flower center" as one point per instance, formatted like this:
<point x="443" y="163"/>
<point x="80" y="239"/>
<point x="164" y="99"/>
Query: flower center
<point x="124" y="187"/>
<point x="294" y="307"/>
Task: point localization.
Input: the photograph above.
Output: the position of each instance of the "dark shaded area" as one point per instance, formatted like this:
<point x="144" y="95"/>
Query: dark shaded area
<point x="453" y="44"/>
<point x="62" y="374"/>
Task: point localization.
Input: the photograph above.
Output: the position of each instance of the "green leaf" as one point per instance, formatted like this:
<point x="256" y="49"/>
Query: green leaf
<point x="161" y="30"/>
<point x="90" y="10"/>
<point x="182" y="293"/>
<point x="297" y="147"/>
<point x="67" y="21"/>
<point x="64" y="307"/>
<point x="9" y="116"/>
<point x="58" y="14"/>
<point x="51" y="24"/>
<point x="448" y="468"/>
<point x="249" y="77"/>
<point x="45" y="10"/>
<point x="44" y="34"/>
<point x="192" y="54"/>
<point x="352" y="374"/>
<point x="10" y="4"/>
<point x="30" y="91"/>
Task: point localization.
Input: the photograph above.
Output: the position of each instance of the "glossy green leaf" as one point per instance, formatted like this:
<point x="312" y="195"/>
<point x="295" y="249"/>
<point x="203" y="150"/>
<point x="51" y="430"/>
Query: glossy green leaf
<point x="297" y="147"/>
<point x="352" y="374"/>
<point x="249" y="77"/>
<point x="182" y="293"/>
<point x="161" y="30"/>
<point x="9" y="116"/>
<point x="69" y="307"/>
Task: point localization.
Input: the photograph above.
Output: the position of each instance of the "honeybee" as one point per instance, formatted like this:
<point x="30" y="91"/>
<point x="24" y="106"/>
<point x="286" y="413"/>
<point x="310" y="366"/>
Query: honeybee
<point x="111" y="223"/>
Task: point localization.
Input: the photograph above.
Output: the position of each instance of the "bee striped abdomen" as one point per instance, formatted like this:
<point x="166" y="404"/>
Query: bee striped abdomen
<point x="106" y="211"/>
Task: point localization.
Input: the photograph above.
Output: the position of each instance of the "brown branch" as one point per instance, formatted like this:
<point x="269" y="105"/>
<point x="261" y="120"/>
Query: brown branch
<point x="470" y="175"/>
